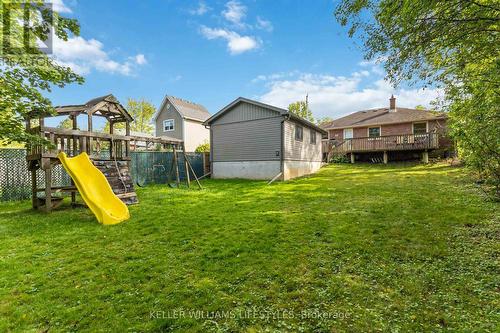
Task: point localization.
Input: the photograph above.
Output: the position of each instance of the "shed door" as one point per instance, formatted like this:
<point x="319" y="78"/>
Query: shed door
<point x="348" y="133"/>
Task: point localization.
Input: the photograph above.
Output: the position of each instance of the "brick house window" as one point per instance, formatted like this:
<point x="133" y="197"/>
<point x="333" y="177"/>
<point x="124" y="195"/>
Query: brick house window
<point x="168" y="125"/>
<point x="419" y="128"/>
<point x="313" y="137"/>
<point x="299" y="133"/>
<point x="373" y="132"/>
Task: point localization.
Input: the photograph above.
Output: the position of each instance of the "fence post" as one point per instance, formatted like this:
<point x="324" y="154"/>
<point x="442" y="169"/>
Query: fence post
<point x="48" y="188"/>
<point x="34" y="199"/>
<point x="205" y="162"/>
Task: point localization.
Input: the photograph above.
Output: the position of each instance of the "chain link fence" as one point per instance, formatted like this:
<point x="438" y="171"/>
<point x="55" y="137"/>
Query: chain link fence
<point x="147" y="167"/>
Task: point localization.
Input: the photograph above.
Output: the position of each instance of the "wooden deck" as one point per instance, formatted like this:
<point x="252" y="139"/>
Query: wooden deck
<point x="422" y="142"/>
<point x="95" y="144"/>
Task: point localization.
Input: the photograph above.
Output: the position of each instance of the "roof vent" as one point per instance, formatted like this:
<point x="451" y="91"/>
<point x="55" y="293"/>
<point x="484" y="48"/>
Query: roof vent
<point x="392" y="104"/>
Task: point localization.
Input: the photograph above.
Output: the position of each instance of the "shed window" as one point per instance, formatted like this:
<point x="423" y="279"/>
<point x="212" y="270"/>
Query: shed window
<point x="299" y="133"/>
<point x="419" y="128"/>
<point x="168" y="125"/>
<point x="313" y="137"/>
<point x="373" y="132"/>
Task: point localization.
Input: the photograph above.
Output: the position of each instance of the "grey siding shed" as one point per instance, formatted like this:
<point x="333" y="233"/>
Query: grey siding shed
<point x="251" y="140"/>
<point x="301" y="150"/>
<point x="247" y="132"/>
<point x="245" y="112"/>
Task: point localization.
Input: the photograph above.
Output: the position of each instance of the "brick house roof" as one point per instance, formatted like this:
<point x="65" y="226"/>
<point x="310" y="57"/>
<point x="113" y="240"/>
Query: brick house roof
<point x="383" y="116"/>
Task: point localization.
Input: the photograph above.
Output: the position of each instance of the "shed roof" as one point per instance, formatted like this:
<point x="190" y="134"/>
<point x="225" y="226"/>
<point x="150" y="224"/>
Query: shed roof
<point x="282" y="112"/>
<point x="383" y="116"/>
<point x="186" y="109"/>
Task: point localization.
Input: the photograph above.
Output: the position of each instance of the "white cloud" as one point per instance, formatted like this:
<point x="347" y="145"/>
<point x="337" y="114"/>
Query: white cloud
<point x="264" y="24"/>
<point x="361" y="73"/>
<point x="84" y="55"/>
<point x="336" y="96"/>
<point x="176" y="78"/>
<point x="200" y="10"/>
<point x="275" y="76"/>
<point x="375" y="65"/>
<point x="236" y="43"/>
<point x="373" y="62"/>
<point x="111" y="66"/>
<point x="235" y="12"/>
<point x="140" y="59"/>
<point x="59" y="6"/>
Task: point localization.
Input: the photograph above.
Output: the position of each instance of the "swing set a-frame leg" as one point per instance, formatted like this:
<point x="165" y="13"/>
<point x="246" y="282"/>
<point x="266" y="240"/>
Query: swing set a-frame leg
<point x="186" y="168"/>
<point x="191" y="168"/>
<point x="176" y="166"/>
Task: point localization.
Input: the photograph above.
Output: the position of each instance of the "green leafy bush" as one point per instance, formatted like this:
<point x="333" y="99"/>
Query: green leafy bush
<point x="203" y="148"/>
<point x="339" y="158"/>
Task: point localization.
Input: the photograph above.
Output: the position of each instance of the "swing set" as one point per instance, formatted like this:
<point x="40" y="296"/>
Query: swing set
<point x="174" y="174"/>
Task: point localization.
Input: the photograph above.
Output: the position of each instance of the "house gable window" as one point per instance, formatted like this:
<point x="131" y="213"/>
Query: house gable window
<point x="299" y="133"/>
<point x="373" y="132"/>
<point x="312" y="137"/>
<point x="419" y="128"/>
<point x="168" y="125"/>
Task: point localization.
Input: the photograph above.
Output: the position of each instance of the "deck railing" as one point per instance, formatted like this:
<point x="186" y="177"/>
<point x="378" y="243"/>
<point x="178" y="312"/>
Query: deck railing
<point x="74" y="142"/>
<point x="96" y="145"/>
<point x="388" y="143"/>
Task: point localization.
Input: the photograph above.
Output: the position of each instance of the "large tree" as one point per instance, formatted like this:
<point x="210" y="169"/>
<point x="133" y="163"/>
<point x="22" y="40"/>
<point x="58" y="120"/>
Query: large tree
<point x="27" y="71"/>
<point x="142" y="111"/>
<point x="323" y="120"/>
<point x="67" y="123"/>
<point x="301" y="109"/>
<point x="453" y="45"/>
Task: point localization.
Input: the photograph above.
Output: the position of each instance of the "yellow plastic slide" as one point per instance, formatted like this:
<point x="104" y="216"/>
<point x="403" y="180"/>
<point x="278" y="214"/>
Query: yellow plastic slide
<point x="95" y="189"/>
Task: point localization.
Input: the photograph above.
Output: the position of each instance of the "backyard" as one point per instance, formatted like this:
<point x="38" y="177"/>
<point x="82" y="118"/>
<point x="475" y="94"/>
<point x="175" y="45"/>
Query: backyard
<point x="352" y="248"/>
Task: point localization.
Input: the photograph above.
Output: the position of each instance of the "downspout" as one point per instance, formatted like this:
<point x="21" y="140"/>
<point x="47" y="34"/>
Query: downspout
<point x="282" y="152"/>
<point x="183" y="132"/>
<point x="211" y="152"/>
<point x="285" y="118"/>
<point x="209" y="127"/>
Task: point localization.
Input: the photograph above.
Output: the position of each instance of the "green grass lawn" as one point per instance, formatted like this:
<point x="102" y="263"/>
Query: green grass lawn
<point x="352" y="248"/>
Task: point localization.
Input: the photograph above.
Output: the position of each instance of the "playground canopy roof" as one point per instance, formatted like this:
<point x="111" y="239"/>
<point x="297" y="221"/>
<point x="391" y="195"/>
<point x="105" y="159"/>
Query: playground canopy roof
<point x="104" y="106"/>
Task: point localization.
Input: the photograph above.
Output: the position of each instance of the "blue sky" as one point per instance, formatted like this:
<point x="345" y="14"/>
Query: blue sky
<point x="211" y="52"/>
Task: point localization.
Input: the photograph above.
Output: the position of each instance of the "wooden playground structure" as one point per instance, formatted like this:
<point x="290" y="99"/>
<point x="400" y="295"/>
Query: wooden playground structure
<point x="109" y="152"/>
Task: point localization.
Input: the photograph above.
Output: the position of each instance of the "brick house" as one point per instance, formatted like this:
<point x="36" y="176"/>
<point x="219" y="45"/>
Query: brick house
<point x="385" y="134"/>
